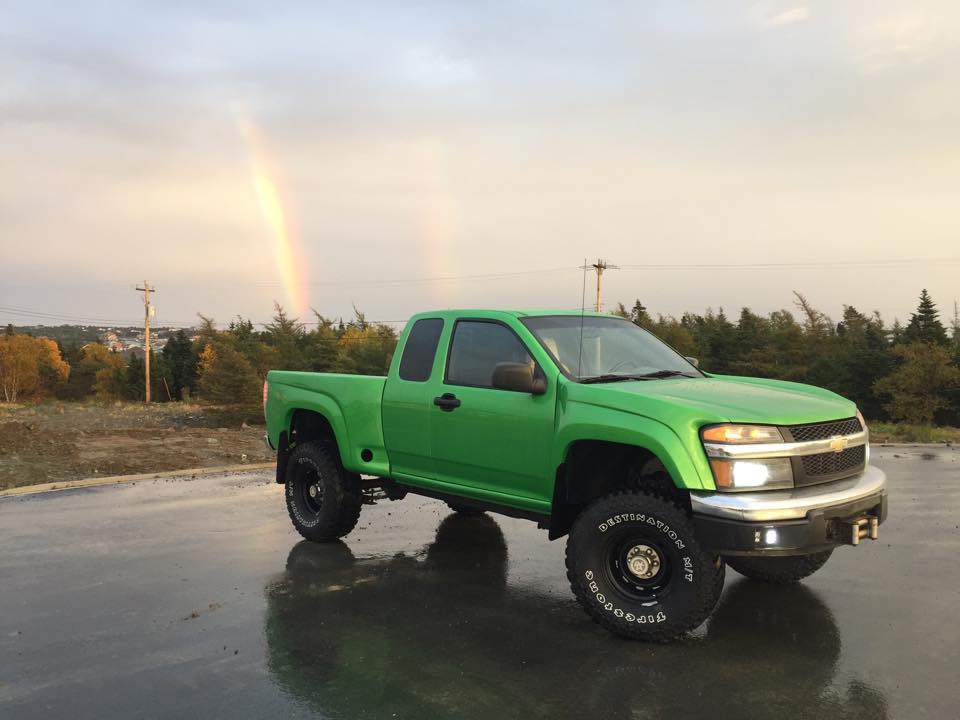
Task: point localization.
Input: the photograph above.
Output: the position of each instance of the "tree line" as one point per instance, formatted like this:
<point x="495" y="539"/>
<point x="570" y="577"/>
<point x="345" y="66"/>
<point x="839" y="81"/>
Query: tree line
<point x="906" y="373"/>
<point x="221" y="367"/>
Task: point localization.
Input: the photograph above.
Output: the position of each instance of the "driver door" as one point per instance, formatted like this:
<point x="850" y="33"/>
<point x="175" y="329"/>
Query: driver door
<point x="494" y="440"/>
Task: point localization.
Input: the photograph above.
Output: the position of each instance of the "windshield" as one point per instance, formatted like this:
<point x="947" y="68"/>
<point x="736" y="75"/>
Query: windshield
<point x="612" y="348"/>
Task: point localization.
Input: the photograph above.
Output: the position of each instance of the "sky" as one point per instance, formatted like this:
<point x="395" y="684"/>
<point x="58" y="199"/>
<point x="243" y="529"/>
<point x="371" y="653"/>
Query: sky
<point x="399" y="156"/>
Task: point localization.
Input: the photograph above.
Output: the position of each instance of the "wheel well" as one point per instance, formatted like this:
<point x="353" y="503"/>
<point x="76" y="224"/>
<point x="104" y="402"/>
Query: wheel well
<point x="594" y="468"/>
<point x="305" y="426"/>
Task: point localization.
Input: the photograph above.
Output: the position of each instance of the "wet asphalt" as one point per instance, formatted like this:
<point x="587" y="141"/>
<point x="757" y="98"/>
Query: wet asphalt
<point x="195" y="598"/>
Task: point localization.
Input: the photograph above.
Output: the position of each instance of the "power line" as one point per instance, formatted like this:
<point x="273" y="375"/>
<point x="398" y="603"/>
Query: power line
<point x="886" y="263"/>
<point x="880" y="263"/>
<point x="38" y="315"/>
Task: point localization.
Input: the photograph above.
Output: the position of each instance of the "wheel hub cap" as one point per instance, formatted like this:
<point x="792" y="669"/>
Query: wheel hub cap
<point x="313" y="491"/>
<point x="643" y="561"/>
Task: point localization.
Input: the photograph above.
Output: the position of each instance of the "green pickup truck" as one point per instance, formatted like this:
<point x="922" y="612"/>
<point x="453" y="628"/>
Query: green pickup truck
<point x="658" y="473"/>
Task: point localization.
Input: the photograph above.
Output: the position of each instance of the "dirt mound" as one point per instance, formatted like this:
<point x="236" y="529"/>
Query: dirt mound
<point x="67" y="441"/>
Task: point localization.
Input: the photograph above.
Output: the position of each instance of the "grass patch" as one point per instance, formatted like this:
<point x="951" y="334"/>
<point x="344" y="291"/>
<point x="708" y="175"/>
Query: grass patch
<point x="881" y="432"/>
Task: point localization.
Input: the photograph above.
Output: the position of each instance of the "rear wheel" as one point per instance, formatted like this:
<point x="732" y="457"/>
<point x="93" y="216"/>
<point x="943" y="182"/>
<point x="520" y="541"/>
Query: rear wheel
<point x="323" y="499"/>
<point x="636" y="567"/>
<point x="780" y="570"/>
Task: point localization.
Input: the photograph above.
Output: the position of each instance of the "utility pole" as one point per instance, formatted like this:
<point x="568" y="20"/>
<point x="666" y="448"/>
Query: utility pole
<point x="147" y="311"/>
<point x="599" y="266"/>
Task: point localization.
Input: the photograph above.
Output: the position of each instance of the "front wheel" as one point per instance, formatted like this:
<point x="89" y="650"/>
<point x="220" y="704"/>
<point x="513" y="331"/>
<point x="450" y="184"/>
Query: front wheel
<point x="636" y="567"/>
<point x="780" y="570"/>
<point x="323" y="499"/>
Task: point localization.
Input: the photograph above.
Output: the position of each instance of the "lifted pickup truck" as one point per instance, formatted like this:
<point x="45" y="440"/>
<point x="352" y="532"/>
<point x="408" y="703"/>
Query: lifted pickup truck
<point x="659" y="473"/>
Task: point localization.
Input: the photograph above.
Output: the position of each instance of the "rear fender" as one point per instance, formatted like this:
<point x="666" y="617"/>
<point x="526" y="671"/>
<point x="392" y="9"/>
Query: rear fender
<point x="298" y="400"/>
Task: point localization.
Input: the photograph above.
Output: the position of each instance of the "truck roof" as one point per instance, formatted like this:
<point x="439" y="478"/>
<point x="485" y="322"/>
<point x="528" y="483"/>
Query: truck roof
<point x="490" y="313"/>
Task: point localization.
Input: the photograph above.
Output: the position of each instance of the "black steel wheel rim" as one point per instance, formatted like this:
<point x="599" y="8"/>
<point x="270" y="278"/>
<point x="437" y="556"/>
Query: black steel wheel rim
<point x="632" y="586"/>
<point x="311" y="491"/>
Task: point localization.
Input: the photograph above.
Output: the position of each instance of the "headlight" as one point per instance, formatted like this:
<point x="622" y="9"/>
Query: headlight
<point x="741" y="434"/>
<point x="767" y="474"/>
<point x="733" y="474"/>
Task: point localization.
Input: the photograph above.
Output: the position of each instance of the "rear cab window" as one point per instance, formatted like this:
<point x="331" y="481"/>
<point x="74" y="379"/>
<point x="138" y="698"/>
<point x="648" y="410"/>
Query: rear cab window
<point x="420" y="350"/>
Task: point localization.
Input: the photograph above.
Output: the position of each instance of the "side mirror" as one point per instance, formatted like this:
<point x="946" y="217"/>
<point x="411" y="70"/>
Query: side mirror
<point x="519" y="377"/>
<point x="693" y="361"/>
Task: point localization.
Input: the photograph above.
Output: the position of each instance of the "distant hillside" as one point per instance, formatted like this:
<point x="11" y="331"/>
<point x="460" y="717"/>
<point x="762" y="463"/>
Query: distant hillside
<point x="80" y="334"/>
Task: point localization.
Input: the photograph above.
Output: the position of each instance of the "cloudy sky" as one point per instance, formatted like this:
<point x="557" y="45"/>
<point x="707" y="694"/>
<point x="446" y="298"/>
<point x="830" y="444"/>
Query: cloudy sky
<point x="324" y="154"/>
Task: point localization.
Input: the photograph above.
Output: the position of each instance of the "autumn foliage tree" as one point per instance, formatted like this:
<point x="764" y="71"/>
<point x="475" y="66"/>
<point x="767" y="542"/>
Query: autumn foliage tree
<point x="29" y="367"/>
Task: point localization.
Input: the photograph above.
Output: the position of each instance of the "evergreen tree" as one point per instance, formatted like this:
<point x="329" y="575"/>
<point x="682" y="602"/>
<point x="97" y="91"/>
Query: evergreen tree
<point x="323" y="350"/>
<point x="896" y="332"/>
<point x="640" y="317"/>
<point x="925" y="325"/>
<point x="751" y="337"/>
<point x="675" y="334"/>
<point x="133" y="384"/>
<point x="918" y="390"/>
<point x="287" y="336"/>
<point x="715" y="339"/>
<point x="182" y="363"/>
<point x="226" y="377"/>
<point x="860" y="357"/>
<point x="955" y="333"/>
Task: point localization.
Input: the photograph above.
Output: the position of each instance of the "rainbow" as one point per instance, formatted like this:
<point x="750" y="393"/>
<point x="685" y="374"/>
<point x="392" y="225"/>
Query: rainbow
<point x="438" y="220"/>
<point x="287" y="249"/>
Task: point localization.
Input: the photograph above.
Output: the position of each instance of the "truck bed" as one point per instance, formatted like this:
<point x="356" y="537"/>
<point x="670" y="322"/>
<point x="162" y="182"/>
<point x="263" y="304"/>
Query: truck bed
<point x="352" y="404"/>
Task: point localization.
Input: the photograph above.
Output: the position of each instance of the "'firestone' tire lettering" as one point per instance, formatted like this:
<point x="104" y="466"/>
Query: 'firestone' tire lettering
<point x="618" y="612"/>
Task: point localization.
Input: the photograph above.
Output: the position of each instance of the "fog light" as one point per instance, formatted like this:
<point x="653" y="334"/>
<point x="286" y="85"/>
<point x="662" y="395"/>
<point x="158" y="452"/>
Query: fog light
<point x="770" y="537"/>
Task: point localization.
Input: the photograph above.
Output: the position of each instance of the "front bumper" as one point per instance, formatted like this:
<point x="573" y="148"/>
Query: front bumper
<point x="788" y="522"/>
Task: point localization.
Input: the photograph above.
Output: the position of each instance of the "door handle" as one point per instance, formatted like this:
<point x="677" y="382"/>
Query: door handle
<point x="447" y="402"/>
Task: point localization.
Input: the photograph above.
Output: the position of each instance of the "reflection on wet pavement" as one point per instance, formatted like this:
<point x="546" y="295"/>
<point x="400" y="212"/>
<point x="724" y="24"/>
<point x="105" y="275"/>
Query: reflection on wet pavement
<point x="442" y="633"/>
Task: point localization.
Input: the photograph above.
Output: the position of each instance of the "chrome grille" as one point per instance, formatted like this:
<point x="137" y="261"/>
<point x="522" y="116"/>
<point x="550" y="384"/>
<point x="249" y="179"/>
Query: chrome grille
<point x="833" y="463"/>
<point x="822" y="431"/>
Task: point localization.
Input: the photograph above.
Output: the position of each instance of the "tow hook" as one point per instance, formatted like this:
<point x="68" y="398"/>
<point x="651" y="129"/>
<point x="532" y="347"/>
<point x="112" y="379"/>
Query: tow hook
<point x="867" y="526"/>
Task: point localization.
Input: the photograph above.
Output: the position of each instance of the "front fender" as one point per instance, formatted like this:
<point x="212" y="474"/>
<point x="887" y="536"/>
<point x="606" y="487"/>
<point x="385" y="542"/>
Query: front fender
<point x="582" y="421"/>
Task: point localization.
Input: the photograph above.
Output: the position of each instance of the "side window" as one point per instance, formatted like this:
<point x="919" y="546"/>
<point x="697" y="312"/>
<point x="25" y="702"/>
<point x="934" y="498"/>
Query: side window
<point x="477" y="348"/>
<point x="421" y="347"/>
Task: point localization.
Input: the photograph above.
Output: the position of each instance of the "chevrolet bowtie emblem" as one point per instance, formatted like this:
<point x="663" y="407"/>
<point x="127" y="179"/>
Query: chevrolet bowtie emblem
<point x="838" y="444"/>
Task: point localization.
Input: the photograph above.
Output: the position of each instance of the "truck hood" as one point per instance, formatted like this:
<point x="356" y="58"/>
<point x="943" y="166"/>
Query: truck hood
<point x="719" y="398"/>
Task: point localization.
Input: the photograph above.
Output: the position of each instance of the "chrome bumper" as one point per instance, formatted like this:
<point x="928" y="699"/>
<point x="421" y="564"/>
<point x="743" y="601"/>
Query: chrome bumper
<point x="793" y="504"/>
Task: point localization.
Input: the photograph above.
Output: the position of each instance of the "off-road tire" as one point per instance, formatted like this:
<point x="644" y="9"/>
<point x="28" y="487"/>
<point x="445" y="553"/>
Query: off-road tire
<point x="332" y="510"/>
<point x="464" y="509"/>
<point x="677" y="599"/>
<point x="780" y="570"/>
